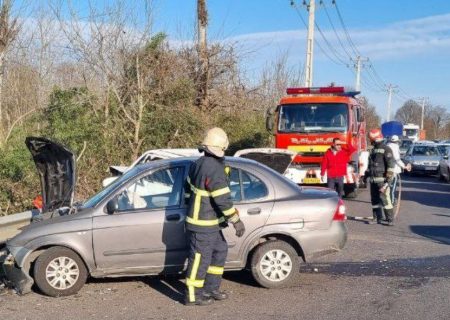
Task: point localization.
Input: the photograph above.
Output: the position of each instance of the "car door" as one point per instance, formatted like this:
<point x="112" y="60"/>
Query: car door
<point x="253" y="196"/>
<point x="146" y="234"/>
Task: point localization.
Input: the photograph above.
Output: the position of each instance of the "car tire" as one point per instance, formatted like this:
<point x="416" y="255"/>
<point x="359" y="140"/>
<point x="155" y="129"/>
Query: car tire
<point x="59" y="271"/>
<point x="279" y="256"/>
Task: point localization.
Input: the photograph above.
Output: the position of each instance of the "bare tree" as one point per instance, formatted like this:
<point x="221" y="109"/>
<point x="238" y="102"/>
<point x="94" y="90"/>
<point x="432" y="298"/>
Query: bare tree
<point x="8" y="32"/>
<point x="436" y="117"/>
<point x="373" y="120"/>
<point x="410" y="112"/>
<point x="105" y="43"/>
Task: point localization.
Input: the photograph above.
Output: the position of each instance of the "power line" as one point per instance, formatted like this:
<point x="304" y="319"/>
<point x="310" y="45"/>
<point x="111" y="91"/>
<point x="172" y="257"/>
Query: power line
<point x="349" y="39"/>
<point x="335" y="31"/>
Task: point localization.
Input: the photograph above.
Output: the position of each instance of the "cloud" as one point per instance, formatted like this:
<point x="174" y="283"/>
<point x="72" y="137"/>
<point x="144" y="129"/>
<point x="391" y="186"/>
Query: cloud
<point x="396" y="40"/>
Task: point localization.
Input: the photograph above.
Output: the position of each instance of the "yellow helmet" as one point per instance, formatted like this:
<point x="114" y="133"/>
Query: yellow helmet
<point x="216" y="142"/>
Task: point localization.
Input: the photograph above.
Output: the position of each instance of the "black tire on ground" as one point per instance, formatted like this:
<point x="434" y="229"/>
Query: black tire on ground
<point x="43" y="262"/>
<point x="267" y="248"/>
<point x="441" y="176"/>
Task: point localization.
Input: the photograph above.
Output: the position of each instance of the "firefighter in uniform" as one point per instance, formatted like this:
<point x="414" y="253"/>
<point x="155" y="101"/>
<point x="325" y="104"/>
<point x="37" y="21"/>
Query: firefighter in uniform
<point x="380" y="174"/>
<point x="210" y="210"/>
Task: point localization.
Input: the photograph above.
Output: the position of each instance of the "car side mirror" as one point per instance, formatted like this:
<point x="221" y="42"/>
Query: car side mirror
<point x="446" y="157"/>
<point x="112" y="206"/>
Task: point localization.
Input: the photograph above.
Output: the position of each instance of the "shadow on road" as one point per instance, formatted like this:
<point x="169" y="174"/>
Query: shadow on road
<point x="439" y="234"/>
<point x="441" y="215"/>
<point x="425" y="198"/>
<point x="171" y="287"/>
<point x="412" y="267"/>
<point x="242" y="277"/>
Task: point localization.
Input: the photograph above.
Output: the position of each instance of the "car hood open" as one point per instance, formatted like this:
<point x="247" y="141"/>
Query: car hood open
<point x="56" y="168"/>
<point x="277" y="159"/>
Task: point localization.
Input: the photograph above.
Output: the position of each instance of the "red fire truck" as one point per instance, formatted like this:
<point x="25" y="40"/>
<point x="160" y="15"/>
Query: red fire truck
<point x="308" y="119"/>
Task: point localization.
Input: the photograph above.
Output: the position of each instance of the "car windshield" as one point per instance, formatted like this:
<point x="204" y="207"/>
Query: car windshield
<point x="411" y="132"/>
<point x="318" y="117"/>
<point x="94" y="200"/>
<point x="425" y="151"/>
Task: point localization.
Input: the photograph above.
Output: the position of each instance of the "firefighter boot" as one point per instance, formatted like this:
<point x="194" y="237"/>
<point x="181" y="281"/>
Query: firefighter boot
<point x="203" y="300"/>
<point x="216" y="295"/>
<point x="377" y="215"/>
<point x="389" y="216"/>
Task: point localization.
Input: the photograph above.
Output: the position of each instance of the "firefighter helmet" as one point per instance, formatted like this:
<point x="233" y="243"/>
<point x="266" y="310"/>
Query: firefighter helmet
<point x="395" y="138"/>
<point x="375" y="135"/>
<point x="216" y="142"/>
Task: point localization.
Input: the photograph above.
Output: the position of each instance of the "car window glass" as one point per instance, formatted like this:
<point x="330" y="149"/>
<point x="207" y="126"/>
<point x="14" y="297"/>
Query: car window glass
<point x="235" y="185"/>
<point x="160" y="189"/>
<point x="253" y="188"/>
<point x="425" y="151"/>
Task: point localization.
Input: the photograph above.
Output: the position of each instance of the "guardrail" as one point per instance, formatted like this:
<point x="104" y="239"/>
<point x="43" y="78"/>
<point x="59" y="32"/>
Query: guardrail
<point x="9" y="225"/>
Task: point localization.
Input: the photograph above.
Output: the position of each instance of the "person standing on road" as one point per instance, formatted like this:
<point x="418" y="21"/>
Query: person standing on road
<point x="399" y="164"/>
<point x="334" y="164"/>
<point x="380" y="174"/>
<point x="210" y="210"/>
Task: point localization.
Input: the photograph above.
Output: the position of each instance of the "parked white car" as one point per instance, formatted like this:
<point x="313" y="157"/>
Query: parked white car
<point x="150" y="155"/>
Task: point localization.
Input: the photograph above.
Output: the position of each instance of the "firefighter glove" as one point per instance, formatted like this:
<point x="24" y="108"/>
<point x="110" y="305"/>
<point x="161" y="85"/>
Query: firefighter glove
<point x="239" y="227"/>
<point x="389" y="177"/>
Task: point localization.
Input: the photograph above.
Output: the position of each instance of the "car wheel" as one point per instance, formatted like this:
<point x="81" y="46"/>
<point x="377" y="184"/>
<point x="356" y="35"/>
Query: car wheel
<point x="59" y="272"/>
<point x="274" y="264"/>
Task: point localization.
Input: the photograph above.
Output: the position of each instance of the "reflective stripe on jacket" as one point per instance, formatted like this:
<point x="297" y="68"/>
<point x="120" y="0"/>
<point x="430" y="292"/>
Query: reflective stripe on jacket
<point x="210" y="202"/>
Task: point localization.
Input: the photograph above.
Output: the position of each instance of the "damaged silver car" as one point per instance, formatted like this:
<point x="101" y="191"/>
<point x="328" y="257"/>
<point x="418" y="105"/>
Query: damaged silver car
<point x="135" y="226"/>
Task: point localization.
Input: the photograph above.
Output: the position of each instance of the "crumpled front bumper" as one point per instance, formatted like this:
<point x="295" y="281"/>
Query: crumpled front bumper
<point x="13" y="276"/>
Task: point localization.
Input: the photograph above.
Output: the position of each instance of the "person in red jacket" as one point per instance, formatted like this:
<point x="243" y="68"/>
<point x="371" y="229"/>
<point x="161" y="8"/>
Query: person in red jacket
<point x="334" y="164"/>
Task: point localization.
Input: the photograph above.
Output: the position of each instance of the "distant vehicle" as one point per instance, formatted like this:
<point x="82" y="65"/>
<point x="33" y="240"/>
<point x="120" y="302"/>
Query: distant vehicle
<point x="423" y="157"/>
<point x="413" y="132"/>
<point x="444" y="164"/>
<point x="135" y="227"/>
<point x="443" y="148"/>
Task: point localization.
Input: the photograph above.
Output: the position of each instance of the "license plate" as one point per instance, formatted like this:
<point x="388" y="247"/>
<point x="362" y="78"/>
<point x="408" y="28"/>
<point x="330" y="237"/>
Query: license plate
<point x="430" y="168"/>
<point x="311" y="180"/>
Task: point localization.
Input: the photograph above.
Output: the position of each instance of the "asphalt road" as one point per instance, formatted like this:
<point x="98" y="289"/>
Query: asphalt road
<point x="400" y="272"/>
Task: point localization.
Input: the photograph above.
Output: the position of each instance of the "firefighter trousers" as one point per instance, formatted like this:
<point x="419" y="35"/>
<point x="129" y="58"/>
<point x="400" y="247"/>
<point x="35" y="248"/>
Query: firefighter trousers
<point x="381" y="201"/>
<point x="207" y="255"/>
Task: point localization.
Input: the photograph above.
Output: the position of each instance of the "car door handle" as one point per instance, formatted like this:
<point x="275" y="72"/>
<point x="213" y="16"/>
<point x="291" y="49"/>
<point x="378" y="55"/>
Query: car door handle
<point x="173" y="217"/>
<point x="254" y="211"/>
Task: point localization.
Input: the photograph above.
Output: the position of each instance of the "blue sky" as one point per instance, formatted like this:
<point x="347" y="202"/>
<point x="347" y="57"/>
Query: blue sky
<point x="408" y="42"/>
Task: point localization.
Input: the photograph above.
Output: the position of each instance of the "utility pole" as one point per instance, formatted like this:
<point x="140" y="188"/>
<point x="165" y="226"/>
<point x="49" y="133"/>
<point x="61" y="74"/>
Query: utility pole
<point x="203" y="70"/>
<point x="390" y="90"/>
<point x="423" y="112"/>
<point x="310" y="45"/>
<point x="358" y="66"/>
